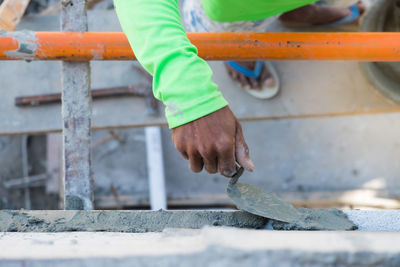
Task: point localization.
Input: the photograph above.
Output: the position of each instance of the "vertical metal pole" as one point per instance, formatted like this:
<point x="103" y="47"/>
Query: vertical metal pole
<point x="54" y="167"/>
<point x="155" y="166"/>
<point x="76" y="114"/>
<point x="25" y="172"/>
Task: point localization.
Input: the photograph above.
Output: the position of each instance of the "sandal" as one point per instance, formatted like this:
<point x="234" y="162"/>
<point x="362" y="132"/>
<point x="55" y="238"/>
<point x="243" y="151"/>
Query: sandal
<point x="265" y="92"/>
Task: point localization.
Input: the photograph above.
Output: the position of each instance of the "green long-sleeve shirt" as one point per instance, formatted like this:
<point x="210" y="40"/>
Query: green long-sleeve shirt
<point x="182" y="80"/>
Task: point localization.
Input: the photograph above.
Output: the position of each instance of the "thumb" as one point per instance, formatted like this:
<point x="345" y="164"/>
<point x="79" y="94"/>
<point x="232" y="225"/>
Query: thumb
<point x="242" y="150"/>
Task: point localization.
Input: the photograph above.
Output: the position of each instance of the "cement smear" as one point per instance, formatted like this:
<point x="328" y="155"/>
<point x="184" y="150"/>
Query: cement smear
<point x="123" y="221"/>
<point x="262" y="203"/>
<point x="321" y="219"/>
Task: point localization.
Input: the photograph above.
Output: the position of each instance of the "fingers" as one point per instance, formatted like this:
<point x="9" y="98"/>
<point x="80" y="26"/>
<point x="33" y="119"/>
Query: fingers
<point x="226" y="157"/>
<point x="209" y="157"/>
<point x="242" y="150"/>
<point x="180" y="147"/>
<point x="206" y="157"/>
<point x="210" y="143"/>
<point x="184" y="155"/>
<point x="195" y="162"/>
<point x="210" y="165"/>
<point x="220" y="159"/>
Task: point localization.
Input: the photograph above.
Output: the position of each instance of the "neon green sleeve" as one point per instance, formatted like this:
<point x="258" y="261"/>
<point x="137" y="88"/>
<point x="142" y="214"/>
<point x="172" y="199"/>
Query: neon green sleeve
<point x="249" y="10"/>
<point x="181" y="80"/>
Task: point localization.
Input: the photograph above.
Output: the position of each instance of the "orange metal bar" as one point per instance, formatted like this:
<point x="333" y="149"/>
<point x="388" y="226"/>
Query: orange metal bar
<point x="211" y="46"/>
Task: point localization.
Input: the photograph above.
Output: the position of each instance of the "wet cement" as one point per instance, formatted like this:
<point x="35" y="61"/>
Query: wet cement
<point x="262" y="203"/>
<point x="123" y="221"/>
<point x="157" y="221"/>
<point x="319" y="219"/>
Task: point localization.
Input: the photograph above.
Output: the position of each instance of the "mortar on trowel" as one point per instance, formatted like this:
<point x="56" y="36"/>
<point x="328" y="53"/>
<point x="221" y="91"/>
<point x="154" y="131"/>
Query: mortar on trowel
<point x="257" y="201"/>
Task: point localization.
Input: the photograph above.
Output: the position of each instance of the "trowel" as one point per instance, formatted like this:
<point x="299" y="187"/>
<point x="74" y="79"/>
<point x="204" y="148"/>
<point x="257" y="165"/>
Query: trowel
<point x="257" y="201"/>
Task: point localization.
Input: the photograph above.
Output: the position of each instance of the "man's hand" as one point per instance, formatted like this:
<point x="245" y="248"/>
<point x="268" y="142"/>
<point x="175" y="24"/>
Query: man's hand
<point x="214" y="141"/>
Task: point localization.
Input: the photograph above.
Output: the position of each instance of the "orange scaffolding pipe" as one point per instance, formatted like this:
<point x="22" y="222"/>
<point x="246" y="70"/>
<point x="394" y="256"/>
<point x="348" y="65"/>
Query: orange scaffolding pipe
<point x="211" y="46"/>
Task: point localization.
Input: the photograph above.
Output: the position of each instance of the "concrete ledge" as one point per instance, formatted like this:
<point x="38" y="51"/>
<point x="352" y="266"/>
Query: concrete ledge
<point x="123" y="221"/>
<point x="210" y="246"/>
<point x="375" y="220"/>
<point x="157" y="221"/>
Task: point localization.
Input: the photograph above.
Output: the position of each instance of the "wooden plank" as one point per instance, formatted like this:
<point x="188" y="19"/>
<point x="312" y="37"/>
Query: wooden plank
<point x="76" y="114"/>
<point x="309" y="89"/>
<point x="26" y="182"/>
<point x="11" y="12"/>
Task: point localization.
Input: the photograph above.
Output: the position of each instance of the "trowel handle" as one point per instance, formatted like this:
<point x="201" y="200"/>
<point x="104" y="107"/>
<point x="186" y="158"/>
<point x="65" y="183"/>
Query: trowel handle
<point x="236" y="176"/>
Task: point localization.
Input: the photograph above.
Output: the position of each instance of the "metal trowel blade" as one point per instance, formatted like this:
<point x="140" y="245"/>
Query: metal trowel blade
<point x="257" y="201"/>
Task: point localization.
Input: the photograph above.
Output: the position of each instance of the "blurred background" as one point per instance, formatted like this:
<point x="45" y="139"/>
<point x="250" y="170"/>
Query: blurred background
<point x="344" y="162"/>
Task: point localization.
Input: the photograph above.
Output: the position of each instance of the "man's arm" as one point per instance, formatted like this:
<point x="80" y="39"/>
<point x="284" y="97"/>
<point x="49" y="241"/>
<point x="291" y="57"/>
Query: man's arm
<point x="182" y="81"/>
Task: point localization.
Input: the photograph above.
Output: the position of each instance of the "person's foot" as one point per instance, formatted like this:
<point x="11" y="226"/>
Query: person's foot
<point x="317" y="15"/>
<point x="265" y="79"/>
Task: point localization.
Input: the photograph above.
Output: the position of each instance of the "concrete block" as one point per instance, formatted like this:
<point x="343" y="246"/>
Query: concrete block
<point x="210" y="246"/>
<point x="123" y="221"/>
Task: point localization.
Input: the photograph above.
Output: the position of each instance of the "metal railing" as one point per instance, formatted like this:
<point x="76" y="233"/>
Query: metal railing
<point x="77" y="46"/>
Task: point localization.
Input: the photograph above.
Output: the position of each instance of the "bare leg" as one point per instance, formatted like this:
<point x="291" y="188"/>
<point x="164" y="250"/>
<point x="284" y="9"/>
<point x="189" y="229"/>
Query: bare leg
<point x="315" y="14"/>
